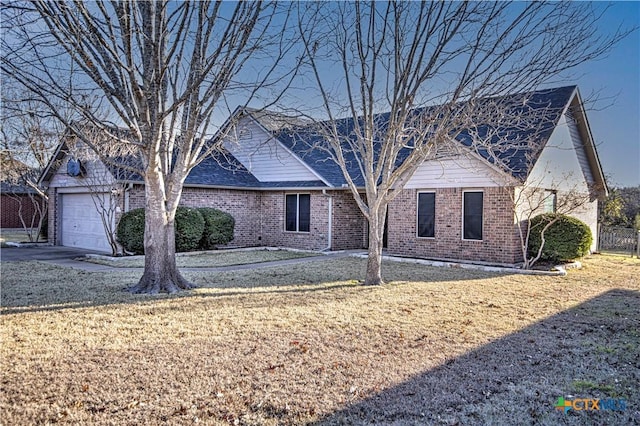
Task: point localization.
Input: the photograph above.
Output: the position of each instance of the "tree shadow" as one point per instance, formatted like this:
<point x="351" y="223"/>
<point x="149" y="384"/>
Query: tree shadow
<point x="589" y="351"/>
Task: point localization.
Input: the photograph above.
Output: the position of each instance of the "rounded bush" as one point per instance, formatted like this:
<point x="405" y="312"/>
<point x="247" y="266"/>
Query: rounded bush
<point x="189" y="229"/>
<point x="130" y="231"/>
<point x="218" y="228"/>
<point x="565" y="239"/>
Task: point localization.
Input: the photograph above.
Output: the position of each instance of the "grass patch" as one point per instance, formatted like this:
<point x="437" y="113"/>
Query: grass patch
<point x="16" y="236"/>
<point x="585" y="385"/>
<point x="209" y="259"/>
<point x="304" y="343"/>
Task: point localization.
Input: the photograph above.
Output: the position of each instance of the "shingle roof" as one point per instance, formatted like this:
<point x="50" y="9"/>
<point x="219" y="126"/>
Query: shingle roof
<point x="512" y="145"/>
<point x="508" y="141"/>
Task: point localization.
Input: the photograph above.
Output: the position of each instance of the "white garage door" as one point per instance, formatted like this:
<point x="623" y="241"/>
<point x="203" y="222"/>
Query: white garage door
<point x="81" y="223"/>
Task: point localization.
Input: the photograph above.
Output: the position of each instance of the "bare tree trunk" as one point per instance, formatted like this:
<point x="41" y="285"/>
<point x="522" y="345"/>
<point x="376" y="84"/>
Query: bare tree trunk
<point x="161" y="272"/>
<point x="376" y="233"/>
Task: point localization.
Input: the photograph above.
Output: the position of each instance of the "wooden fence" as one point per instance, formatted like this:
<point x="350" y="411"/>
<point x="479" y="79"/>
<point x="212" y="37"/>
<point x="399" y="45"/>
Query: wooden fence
<point x="619" y="240"/>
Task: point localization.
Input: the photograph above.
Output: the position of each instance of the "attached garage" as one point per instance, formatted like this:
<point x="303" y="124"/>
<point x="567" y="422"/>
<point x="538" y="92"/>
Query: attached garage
<point x="81" y="224"/>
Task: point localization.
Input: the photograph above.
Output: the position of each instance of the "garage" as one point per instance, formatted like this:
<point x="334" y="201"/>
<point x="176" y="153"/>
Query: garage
<point x="81" y="223"/>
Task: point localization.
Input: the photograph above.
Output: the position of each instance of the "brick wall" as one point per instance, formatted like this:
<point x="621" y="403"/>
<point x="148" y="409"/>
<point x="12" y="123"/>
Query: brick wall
<point x="14" y="206"/>
<point x="349" y="225"/>
<point x="260" y="217"/>
<point x="273" y="233"/>
<point x="500" y="243"/>
<point x="244" y="206"/>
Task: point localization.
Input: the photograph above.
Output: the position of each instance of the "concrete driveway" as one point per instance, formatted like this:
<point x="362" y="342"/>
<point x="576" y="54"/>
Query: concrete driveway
<point x="41" y="252"/>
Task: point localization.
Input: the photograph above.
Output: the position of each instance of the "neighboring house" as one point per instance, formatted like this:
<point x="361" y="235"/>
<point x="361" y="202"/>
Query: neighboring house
<point x="18" y="203"/>
<point x="283" y="192"/>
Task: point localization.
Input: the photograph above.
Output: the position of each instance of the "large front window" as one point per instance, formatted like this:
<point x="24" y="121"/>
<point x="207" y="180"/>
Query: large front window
<point x="472" y="215"/>
<point x="298" y="212"/>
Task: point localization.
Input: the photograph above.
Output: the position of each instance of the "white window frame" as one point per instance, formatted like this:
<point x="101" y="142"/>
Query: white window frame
<point x="426" y="191"/>
<point x="462" y="215"/>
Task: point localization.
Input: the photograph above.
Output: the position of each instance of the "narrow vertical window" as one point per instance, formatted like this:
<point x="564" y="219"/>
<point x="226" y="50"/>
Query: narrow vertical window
<point x="291" y="214"/>
<point x="298" y="212"/>
<point x="426" y="214"/>
<point x="472" y="216"/>
<point x="550" y="201"/>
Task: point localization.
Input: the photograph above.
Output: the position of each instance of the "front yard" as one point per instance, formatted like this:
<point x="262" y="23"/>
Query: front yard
<point x="305" y="343"/>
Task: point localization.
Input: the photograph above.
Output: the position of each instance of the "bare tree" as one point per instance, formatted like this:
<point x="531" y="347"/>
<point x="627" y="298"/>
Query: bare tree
<point x="28" y="137"/>
<point x="102" y="176"/>
<point x="161" y="70"/>
<point x="533" y="199"/>
<point x="397" y="57"/>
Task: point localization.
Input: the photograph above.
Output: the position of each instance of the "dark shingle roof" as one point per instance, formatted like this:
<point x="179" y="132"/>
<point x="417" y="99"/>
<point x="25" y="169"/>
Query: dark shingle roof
<point x="513" y="144"/>
<point x="511" y="139"/>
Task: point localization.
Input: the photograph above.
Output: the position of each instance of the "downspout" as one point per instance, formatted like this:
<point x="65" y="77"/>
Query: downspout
<point x="127" y="188"/>
<point x="330" y="224"/>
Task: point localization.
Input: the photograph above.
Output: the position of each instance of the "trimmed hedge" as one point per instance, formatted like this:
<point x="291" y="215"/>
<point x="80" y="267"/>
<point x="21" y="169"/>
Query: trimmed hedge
<point x="218" y="228"/>
<point x="566" y="239"/>
<point x="130" y="231"/>
<point x="189" y="229"/>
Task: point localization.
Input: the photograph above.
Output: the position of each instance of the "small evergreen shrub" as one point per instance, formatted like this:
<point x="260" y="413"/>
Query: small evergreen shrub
<point x="130" y="231"/>
<point x="189" y="229"/>
<point x="566" y="239"/>
<point x="218" y="228"/>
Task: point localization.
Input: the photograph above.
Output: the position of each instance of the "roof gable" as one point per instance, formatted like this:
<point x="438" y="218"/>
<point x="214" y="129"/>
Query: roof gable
<point x="511" y="144"/>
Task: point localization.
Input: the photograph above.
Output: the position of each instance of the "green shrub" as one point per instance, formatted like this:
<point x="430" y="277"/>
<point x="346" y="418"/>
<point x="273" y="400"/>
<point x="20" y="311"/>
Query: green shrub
<point x="130" y="231"/>
<point x="189" y="229"/>
<point x="566" y="239"/>
<point x="218" y="228"/>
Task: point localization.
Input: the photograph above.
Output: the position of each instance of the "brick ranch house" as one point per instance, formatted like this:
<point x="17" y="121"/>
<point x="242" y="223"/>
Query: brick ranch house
<point x="284" y="194"/>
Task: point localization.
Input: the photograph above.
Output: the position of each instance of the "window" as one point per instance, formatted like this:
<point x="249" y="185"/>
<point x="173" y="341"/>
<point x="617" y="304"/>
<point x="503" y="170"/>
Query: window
<point x="298" y="212"/>
<point x="244" y="133"/>
<point x="426" y="214"/>
<point x="550" y="201"/>
<point x="472" y="216"/>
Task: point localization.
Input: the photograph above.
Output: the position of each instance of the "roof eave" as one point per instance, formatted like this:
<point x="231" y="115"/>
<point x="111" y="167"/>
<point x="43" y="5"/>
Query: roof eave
<point x="582" y="122"/>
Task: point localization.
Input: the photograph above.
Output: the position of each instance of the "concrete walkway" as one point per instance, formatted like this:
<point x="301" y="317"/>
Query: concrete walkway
<point x="94" y="267"/>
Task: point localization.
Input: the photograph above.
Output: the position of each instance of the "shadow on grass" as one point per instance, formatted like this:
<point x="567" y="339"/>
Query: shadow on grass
<point x="41" y="287"/>
<point x="590" y="351"/>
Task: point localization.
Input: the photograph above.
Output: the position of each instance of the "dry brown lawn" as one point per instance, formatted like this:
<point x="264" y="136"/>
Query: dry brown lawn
<point x="307" y="344"/>
<point x="211" y="259"/>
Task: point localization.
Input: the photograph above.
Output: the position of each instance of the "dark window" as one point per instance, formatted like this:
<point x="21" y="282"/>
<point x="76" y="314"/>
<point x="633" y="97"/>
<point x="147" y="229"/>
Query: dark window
<point x="472" y="221"/>
<point x="426" y="214"/>
<point x="298" y="212"/>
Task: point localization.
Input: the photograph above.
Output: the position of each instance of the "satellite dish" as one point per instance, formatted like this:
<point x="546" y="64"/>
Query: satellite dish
<point x="75" y="168"/>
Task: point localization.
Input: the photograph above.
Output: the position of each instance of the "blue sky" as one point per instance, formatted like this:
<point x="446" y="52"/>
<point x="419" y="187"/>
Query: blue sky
<point x="614" y="82"/>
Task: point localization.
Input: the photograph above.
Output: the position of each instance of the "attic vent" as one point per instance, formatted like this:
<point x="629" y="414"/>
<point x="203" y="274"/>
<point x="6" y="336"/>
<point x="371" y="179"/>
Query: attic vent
<point x="244" y="133"/>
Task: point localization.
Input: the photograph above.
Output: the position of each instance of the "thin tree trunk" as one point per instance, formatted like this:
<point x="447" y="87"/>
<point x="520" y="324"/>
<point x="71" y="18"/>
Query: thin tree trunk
<point x="160" y="269"/>
<point x="374" y="259"/>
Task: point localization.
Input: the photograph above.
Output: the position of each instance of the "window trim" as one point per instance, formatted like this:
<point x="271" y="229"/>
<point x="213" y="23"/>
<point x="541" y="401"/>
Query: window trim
<point x="426" y="191"/>
<point x="462" y="215"/>
<point x="297" y="194"/>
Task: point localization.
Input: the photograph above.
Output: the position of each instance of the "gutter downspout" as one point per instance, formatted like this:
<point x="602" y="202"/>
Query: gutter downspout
<point x="330" y="224"/>
<point x="127" y="188"/>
